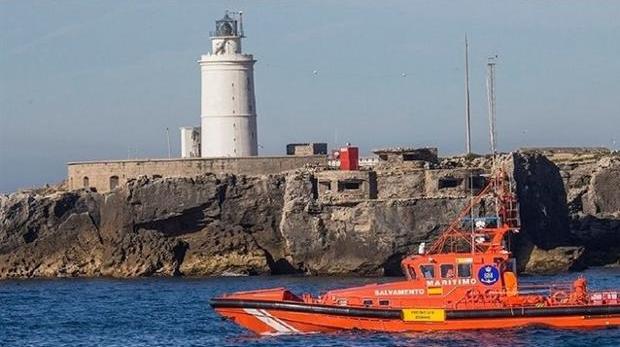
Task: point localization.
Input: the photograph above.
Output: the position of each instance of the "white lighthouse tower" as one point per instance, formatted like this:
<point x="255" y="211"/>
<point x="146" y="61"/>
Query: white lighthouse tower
<point x="228" y="109"/>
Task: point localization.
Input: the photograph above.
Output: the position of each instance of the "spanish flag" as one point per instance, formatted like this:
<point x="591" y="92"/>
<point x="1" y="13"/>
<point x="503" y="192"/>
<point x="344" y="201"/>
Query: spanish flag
<point x="435" y="290"/>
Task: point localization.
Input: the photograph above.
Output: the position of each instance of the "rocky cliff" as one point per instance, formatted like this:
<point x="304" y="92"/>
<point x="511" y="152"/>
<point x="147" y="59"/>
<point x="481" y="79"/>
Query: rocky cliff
<point x="592" y="185"/>
<point x="275" y="224"/>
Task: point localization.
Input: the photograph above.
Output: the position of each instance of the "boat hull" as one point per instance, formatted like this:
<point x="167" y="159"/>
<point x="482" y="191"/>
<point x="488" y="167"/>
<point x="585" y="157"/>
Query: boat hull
<point x="266" y="318"/>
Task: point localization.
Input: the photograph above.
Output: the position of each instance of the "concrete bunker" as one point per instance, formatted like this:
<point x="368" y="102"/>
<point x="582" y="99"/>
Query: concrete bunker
<point x="342" y="186"/>
<point x="407" y="154"/>
<point x="304" y="149"/>
<point x="454" y="181"/>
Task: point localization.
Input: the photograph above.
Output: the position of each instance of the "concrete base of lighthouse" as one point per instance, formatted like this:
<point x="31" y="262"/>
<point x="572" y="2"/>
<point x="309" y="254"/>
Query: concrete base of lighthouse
<point x="233" y="137"/>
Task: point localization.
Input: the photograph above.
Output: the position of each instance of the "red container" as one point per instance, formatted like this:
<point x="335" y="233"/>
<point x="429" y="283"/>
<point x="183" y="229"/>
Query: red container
<point x="349" y="158"/>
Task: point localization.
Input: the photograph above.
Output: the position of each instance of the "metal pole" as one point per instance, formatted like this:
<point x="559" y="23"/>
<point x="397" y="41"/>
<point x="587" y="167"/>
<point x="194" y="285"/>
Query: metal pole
<point x="491" y="106"/>
<point x="491" y="103"/>
<point x="168" y="139"/>
<point x="467" y="108"/>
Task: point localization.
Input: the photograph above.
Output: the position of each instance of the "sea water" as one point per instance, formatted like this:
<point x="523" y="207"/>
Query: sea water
<point x="175" y="312"/>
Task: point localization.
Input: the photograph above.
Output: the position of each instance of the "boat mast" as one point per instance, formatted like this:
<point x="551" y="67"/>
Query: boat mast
<point x="468" y="143"/>
<point x="492" y="132"/>
<point x="491" y="104"/>
<point x="467" y="108"/>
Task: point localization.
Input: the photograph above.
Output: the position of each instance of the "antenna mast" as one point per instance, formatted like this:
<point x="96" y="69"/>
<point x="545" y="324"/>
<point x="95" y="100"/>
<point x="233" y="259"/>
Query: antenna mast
<point x="493" y="138"/>
<point x="491" y="103"/>
<point x="168" y="140"/>
<point x="467" y="108"/>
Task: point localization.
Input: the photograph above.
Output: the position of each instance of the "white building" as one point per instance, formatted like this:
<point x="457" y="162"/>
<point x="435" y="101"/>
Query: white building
<point x="190" y="142"/>
<point x="228" y="109"/>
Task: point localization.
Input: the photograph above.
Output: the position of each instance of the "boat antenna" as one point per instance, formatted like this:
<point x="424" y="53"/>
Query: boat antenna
<point x="467" y="108"/>
<point x="471" y="212"/>
<point x="491" y="62"/>
<point x="468" y="145"/>
<point x="491" y="104"/>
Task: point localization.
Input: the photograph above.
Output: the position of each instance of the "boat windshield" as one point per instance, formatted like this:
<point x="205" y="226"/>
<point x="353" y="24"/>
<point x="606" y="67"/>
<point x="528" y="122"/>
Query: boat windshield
<point x="447" y="271"/>
<point x="464" y="270"/>
<point x="428" y="271"/>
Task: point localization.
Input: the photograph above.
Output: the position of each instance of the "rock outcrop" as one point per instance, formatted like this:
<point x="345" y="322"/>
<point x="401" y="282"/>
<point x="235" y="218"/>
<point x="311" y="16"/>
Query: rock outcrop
<point x="227" y="224"/>
<point x="592" y="183"/>
<point x="200" y="226"/>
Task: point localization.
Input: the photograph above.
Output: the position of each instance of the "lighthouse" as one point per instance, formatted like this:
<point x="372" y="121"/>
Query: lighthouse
<point x="228" y="109"/>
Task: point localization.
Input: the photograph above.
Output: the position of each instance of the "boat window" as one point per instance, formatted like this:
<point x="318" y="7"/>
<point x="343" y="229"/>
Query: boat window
<point x="411" y="271"/>
<point x="428" y="271"/>
<point x="447" y="271"/>
<point x="367" y="302"/>
<point x="384" y="302"/>
<point x="464" y="270"/>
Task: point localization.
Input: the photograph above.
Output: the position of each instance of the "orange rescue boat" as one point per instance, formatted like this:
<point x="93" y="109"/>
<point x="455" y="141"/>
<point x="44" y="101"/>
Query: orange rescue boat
<point x="465" y="280"/>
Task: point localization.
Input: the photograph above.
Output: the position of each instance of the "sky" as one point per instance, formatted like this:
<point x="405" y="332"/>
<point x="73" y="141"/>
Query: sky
<point x="96" y="80"/>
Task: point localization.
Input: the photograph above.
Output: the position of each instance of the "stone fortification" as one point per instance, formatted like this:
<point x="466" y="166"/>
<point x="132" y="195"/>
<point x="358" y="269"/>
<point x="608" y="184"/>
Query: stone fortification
<point x="103" y="176"/>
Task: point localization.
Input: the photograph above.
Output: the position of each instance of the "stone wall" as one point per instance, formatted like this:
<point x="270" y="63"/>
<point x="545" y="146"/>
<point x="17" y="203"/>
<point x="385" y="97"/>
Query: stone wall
<point x="106" y="175"/>
<point x="398" y="184"/>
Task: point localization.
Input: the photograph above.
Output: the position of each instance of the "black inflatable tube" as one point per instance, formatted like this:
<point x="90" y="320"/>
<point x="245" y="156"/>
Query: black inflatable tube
<point x="604" y="310"/>
<point x="309" y="308"/>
